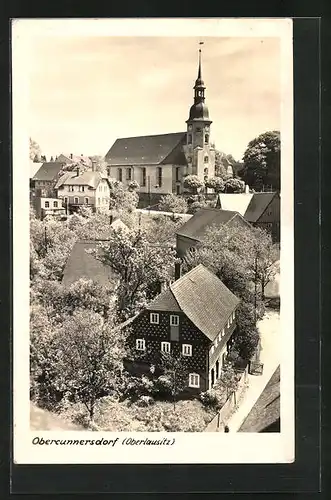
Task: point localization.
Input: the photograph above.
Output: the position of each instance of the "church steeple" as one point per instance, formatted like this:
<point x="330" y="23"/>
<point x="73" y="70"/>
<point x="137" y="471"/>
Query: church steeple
<point x="199" y="110"/>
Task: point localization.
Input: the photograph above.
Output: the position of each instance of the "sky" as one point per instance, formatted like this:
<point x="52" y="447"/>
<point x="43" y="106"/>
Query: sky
<point x="85" y="92"/>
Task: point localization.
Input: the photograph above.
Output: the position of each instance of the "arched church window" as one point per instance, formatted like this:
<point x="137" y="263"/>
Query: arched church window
<point x="206" y="171"/>
<point x="206" y="159"/>
<point x="189" y="139"/>
<point x="206" y="138"/>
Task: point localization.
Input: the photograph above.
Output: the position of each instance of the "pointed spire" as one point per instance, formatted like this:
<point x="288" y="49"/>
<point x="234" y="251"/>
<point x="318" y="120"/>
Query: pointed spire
<point x="199" y="70"/>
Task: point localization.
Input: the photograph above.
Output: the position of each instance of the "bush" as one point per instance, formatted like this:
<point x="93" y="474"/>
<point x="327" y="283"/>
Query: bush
<point x="173" y="203"/>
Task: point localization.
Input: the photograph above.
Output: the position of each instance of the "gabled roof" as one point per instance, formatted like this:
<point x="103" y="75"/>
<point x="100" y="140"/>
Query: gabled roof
<point x="82" y="264"/>
<point x="266" y="410"/>
<point x="237" y="202"/>
<point x="202" y="297"/>
<point x="48" y="171"/>
<point x="196" y="227"/>
<point x="74" y="159"/>
<point x="88" y="178"/>
<point x="258" y="205"/>
<point x="144" y="150"/>
<point x="34" y="167"/>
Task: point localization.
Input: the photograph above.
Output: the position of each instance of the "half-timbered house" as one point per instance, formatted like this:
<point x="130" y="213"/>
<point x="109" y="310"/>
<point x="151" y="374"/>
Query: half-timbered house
<point x="194" y="318"/>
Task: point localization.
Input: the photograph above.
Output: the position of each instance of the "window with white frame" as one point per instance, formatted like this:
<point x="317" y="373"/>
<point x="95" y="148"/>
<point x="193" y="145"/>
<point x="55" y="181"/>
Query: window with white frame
<point x="154" y="318"/>
<point x="140" y="344"/>
<point x="174" y="320"/>
<point x="165" y="346"/>
<point x="194" y="380"/>
<point x="86" y="201"/>
<point x="71" y="188"/>
<point x="46" y="204"/>
<point x="187" y="350"/>
<point x="55" y="204"/>
<point x="76" y="200"/>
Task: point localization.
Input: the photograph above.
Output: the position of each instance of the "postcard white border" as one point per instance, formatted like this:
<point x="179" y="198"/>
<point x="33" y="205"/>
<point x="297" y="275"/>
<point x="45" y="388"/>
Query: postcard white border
<point x="188" y="447"/>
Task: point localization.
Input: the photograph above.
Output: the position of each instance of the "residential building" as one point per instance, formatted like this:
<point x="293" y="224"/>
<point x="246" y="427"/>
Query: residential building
<point x="82" y="262"/>
<point x="265" y="414"/>
<point x="194" y="318"/>
<point x="237" y="202"/>
<point x="264" y="211"/>
<point x="51" y="207"/>
<point x="159" y="163"/>
<point x="193" y="231"/>
<point x="86" y="188"/>
<point x="72" y="159"/>
<point x="45" y="179"/>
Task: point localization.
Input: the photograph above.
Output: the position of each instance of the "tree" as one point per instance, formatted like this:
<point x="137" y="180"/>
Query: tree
<point x="196" y="206"/>
<point x="139" y="265"/>
<point x="175" y="375"/>
<point x="90" y="358"/>
<point x="234" y="186"/>
<point x="35" y="151"/>
<point x="193" y="183"/>
<point x="173" y="203"/>
<point x="215" y="183"/>
<point x="228" y="380"/>
<point x="133" y="186"/>
<point x="262" y="161"/>
<point x="121" y="199"/>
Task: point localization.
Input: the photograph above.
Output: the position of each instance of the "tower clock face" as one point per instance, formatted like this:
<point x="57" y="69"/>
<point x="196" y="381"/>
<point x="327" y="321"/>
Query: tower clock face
<point x="190" y="127"/>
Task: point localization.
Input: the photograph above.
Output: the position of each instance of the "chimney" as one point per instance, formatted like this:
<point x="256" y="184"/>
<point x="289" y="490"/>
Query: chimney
<point x="178" y="270"/>
<point x="77" y="171"/>
<point x="70" y="156"/>
<point x="111" y="219"/>
<point x="94" y="164"/>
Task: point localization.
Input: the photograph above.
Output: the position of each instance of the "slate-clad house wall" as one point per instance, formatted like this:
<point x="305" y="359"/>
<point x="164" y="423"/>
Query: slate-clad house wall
<point x="203" y="310"/>
<point x="154" y="334"/>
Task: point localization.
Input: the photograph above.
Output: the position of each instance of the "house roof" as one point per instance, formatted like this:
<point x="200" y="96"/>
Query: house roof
<point x="82" y="264"/>
<point x="48" y="171"/>
<point x="75" y="159"/>
<point x="144" y="150"/>
<point x="237" y="202"/>
<point x="88" y="178"/>
<point x="258" y="204"/>
<point x="34" y="167"/>
<point x="266" y="410"/>
<point x="202" y="297"/>
<point x="196" y="227"/>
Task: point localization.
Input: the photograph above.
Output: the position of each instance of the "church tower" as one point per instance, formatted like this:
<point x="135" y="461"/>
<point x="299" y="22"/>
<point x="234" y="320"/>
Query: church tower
<point x="200" y="154"/>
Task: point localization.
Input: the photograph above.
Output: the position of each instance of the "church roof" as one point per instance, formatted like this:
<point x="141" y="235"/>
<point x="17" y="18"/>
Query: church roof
<point x="258" y="205"/>
<point x="202" y="297"/>
<point x="144" y="150"/>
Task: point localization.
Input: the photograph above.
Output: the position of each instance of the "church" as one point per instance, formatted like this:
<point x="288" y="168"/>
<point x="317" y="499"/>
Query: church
<point x="159" y="163"/>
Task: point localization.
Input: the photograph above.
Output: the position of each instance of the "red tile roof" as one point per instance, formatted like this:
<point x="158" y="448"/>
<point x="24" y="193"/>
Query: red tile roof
<point x="147" y="150"/>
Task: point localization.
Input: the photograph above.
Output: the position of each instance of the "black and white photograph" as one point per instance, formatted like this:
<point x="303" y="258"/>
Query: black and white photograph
<point x="153" y="241"/>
